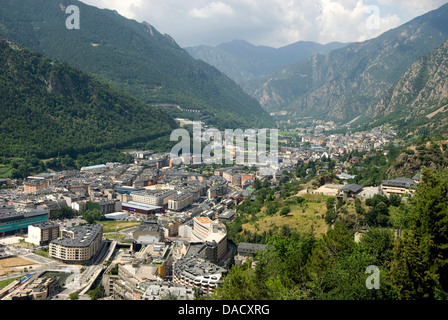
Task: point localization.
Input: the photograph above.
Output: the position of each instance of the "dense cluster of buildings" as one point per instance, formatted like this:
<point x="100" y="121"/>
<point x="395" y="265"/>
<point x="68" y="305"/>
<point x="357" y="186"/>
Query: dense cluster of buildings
<point x="179" y="249"/>
<point x="315" y="143"/>
<point x="181" y="246"/>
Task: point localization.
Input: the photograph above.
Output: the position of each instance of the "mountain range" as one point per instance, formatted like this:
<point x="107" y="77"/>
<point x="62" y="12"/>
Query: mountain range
<point x="133" y="56"/>
<point x="348" y="82"/>
<point x="418" y="101"/>
<point x="243" y="61"/>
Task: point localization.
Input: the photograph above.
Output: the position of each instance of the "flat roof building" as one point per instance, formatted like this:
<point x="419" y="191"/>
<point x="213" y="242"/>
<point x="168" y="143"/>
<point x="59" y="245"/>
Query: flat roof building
<point x="198" y="273"/>
<point x="153" y="197"/>
<point x="180" y="201"/>
<point x="398" y="186"/>
<point x="141" y="209"/>
<point x="42" y="233"/>
<point x="78" y="245"/>
<point x="14" y="219"/>
<point x="206" y="230"/>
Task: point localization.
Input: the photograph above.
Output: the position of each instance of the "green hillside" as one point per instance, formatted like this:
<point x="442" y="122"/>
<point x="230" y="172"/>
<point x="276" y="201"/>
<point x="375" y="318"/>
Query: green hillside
<point x="132" y="55"/>
<point x="51" y="108"/>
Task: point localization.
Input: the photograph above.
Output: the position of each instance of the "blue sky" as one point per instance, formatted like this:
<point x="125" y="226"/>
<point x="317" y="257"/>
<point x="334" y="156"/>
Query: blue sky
<point x="270" y="22"/>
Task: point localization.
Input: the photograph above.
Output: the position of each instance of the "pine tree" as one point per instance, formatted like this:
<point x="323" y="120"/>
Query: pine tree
<point x="420" y="268"/>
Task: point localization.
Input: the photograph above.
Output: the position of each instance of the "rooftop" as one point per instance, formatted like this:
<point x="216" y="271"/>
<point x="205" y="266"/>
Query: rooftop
<point x="203" y="220"/>
<point x="355" y="188"/>
<point x="250" y="247"/>
<point x="141" y="206"/>
<point x="84" y="236"/>
<point x="400" y="182"/>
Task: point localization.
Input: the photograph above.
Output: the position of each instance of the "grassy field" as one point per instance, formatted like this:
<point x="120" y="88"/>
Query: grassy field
<point x="5" y="283"/>
<point x="7" y="265"/>
<point x="42" y="253"/>
<point x="114" y="236"/>
<point x="304" y="218"/>
<point x="114" y="226"/>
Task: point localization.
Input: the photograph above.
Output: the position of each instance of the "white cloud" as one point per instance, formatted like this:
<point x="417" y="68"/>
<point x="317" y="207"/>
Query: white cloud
<point x="211" y="10"/>
<point x="125" y="8"/>
<point x="270" y="22"/>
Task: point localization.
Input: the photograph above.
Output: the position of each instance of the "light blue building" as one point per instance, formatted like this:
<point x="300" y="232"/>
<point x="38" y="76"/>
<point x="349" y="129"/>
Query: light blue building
<point x="12" y="221"/>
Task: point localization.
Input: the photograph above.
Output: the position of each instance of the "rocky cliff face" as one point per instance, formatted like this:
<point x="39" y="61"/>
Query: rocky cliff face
<point x="419" y="99"/>
<point x="347" y="82"/>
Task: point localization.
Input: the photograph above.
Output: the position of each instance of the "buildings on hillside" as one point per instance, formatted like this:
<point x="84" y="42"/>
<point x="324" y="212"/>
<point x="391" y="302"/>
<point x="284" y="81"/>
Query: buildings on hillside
<point x="398" y="186"/>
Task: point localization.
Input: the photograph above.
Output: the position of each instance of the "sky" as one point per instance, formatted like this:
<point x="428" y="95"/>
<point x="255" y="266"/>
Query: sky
<point x="272" y="23"/>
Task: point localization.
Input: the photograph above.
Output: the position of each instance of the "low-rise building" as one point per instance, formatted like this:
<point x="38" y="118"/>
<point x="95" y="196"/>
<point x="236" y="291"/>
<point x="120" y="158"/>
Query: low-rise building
<point x="166" y="290"/>
<point x="14" y="220"/>
<point x="227" y="215"/>
<point x="398" y="186"/>
<point x="248" y="251"/>
<point x="39" y="289"/>
<point x="141" y="209"/>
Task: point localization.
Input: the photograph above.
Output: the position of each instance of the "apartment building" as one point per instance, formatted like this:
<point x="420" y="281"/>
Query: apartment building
<point x="180" y="201"/>
<point x="78" y="245"/>
<point x="33" y="185"/>
<point x="43" y="233"/>
<point x="153" y="197"/>
<point x="206" y="230"/>
<point x="196" y="272"/>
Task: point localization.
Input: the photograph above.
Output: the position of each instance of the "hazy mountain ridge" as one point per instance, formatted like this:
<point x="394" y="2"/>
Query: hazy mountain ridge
<point x="348" y="81"/>
<point x="243" y="61"/>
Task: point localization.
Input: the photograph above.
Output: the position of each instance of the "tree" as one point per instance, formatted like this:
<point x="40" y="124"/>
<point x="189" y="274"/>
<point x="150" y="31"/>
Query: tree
<point x="257" y="184"/>
<point x="285" y="211"/>
<point x="378" y="215"/>
<point x="300" y="200"/>
<point x="394" y="200"/>
<point x="329" y="249"/>
<point x="239" y="284"/>
<point x="96" y="293"/>
<point x="358" y="207"/>
<point x="74" y="296"/>
<point x="379" y="244"/>
<point x="420" y="270"/>
<point x="271" y="209"/>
